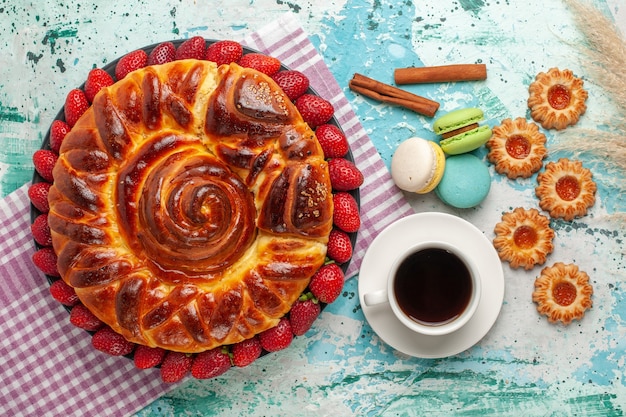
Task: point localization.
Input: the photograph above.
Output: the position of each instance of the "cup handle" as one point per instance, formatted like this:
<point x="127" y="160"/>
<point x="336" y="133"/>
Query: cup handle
<point x="375" y="297"/>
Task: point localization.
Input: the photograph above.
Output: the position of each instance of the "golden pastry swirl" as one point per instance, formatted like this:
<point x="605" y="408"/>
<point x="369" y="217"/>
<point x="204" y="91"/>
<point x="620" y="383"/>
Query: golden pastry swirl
<point x="191" y="214"/>
<point x="190" y="206"/>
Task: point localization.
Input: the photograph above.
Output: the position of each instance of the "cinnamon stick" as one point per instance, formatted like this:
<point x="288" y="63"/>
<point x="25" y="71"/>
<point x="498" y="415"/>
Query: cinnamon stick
<point x="386" y="93"/>
<point x="442" y="73"/>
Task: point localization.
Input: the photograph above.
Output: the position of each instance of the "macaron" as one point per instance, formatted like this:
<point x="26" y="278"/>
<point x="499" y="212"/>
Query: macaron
<point x="417" y="165"/>
<point x="465" y="183"/>
<point x="460" y="131"/>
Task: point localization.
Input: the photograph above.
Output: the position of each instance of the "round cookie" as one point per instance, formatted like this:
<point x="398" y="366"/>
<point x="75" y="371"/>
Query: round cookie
<point x="466" y="181"/>
<point x="417" y="165"/>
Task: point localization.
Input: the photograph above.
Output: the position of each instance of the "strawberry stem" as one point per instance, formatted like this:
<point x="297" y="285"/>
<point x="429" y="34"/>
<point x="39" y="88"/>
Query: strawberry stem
<point x="308" y="296"/>
<point x="328" y="261"/>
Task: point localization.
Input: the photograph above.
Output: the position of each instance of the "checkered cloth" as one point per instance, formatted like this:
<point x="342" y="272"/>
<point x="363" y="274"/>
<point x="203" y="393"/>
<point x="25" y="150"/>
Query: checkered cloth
<point x="49" y="367"/>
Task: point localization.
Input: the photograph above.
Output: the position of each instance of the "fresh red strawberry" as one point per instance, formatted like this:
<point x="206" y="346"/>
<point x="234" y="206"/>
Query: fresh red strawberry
<point x="41" y="230"/>
<point x="314" y="110"/>
<point x="162" y="54"/>
<point x="346" y="212"/>
<point x="63" y="293"/>
<point x="175" y="366"/>
<point x="192" y="48"/>
<point x="263" y="63"/>
<point x="81" y="317"/>
<point x="108" y="341"/>
<point x="96" y="80"/>
<point x="327" y="283"/>
<point x="278" y="337"/>
<point x="75" y="105"/>
<point x="44" y="161"/>
<point x="130" y="62"/>
<point x="146" y="357"/>
<point x="224" y="52"/>
<point x="246" y="351"/>
<point x="332" y="140"/>
<point x="303" y="313"/>
<point x="294" y="83"/>
<point x="211" y="363"/>
<point x="344" y="175"/>
<point x="38" y="194"/>
<point x="58" y="130"/>
<point x="339" y="247"/>
<point x="46" y="260"/>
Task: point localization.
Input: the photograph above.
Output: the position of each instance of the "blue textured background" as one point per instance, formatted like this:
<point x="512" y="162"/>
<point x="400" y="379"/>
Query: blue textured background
<point x="524" y="366"/>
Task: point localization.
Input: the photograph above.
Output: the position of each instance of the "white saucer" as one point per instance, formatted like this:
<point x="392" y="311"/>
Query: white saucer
<point x="407" y="232"/>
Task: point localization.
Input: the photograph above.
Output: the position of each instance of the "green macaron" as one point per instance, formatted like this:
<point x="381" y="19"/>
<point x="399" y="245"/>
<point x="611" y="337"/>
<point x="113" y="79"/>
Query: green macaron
<point x="461" y="132"/>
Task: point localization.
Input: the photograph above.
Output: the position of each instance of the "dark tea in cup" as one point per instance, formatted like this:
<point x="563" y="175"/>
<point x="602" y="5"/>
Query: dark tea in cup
<point x="433" y="286"/>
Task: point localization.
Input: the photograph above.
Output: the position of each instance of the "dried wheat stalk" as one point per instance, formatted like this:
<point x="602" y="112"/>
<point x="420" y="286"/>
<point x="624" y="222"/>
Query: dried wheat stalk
<point x="606" y="52"/>
<point x="605" y="64"/>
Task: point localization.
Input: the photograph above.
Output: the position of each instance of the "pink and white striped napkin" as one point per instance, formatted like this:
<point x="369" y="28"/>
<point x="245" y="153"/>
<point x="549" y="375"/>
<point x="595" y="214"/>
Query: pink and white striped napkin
<point x="49" y="367"/>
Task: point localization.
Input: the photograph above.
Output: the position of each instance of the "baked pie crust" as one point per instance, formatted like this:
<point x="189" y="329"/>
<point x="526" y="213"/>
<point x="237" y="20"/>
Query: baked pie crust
<point x="524" y="238"/>
<point x="563" y="293"/>
<point x="191" y="205"/>
<point x="566" y="189"/>
<point x="557" y="99"/>
<point x="517" y="148"/>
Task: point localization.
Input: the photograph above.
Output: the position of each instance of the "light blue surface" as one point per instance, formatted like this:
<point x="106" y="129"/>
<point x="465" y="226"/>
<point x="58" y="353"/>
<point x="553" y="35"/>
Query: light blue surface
<point x="524" y="366"/>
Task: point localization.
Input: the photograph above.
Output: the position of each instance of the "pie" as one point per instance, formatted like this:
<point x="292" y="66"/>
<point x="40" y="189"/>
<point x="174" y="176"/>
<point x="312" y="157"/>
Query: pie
<point x="191" y="205"/>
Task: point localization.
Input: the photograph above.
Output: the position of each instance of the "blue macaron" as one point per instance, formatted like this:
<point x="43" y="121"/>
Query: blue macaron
<point x="466" y="181"/>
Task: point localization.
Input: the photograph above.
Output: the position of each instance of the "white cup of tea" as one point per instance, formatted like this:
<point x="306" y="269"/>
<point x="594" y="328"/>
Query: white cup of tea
<point x="432" y="288"/>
